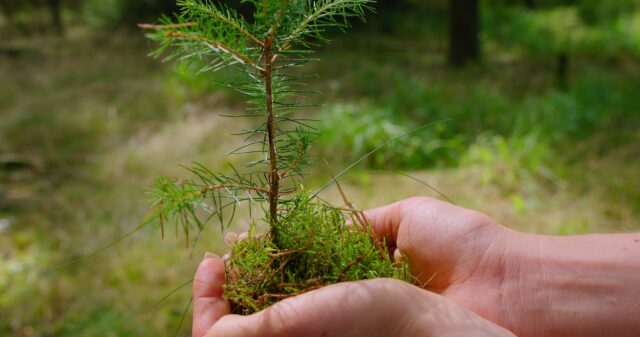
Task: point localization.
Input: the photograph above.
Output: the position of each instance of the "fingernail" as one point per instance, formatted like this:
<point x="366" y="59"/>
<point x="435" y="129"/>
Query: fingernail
<point x="397" y="256"/>
<point x="230" y="238"/>
<point x="209" y="255"/>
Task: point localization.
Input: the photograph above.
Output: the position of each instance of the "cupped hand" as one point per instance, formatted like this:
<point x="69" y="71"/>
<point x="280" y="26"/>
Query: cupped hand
<point x="453" y="251"/>
<point x="381" y="307"/>
<point x="533" y="285"/>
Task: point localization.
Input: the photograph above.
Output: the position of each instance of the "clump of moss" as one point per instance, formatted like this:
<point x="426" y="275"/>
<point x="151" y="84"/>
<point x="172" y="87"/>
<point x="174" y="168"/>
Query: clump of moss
<point x="315" y="247"/>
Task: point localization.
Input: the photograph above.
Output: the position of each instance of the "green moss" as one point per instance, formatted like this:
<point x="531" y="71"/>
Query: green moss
<point x="316" y="246"/>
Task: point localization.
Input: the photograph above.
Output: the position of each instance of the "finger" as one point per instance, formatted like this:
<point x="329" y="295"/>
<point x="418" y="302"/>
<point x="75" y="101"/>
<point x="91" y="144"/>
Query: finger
<point x="365" y="308"/>
<point x="208" y="304"/>
<point x="330" y="311"/>
<point x="386" y="220"/>
<point x="290" y="317"/>
<point x="242" y="236"/>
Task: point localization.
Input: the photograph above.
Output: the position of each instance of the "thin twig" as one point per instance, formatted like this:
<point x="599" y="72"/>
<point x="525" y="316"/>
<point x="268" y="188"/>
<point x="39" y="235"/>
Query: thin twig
<point x="236" y="54"/>
<point x="290" y="251"/>
<point x="274" y="28"/>
<point x="161" y="217"/>
<point x="243" y="31"/>
<point x="283" y="296"/>
<point x="169" y="26"/>
<point x="295" y="162"/>
<point x="232" y="24"/>
<point x="233" y="186"/>
<point x="344" y="271"/>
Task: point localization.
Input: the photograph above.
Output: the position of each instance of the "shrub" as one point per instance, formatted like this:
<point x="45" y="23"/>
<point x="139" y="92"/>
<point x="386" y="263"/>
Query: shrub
<point x="353" y="130"/>
<point x="514" y="164"/>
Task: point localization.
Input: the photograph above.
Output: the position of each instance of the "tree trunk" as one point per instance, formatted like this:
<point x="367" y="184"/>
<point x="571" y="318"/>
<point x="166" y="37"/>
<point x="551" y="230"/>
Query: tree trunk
<point x="562" y="71"/>
<point x="7" y="10"/>
<point x="464" y="44"/>
<point x="56" y="16"/>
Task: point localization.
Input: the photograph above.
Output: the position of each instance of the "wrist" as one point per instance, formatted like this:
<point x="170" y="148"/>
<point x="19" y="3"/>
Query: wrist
<point x="525" y="300"/>
<point x="570" y="286"/>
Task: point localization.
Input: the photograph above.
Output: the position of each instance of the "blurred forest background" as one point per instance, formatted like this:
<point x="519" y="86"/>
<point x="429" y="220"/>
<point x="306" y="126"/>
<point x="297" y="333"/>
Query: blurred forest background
<point x="541" y="100"/>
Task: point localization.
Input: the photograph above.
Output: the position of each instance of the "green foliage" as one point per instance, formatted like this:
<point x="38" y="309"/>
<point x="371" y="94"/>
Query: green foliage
<point x="596" y="103"/>
<point x="604" y="12"/>
<point x="495" y="100"/>
<point x="513" y="164"/>
<point x="315" y="248"/>
<point x="353" y="130"/>
<point x="609" y="30"/>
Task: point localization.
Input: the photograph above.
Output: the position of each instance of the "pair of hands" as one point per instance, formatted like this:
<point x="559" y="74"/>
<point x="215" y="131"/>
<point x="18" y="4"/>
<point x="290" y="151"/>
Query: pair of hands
<point x="477" y="279"/>
<point x="453" y="252"/>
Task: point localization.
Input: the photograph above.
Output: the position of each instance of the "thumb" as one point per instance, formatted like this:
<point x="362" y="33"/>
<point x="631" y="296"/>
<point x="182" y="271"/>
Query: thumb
<point x="208" y="304"/>
<point x="333" y="310"/>
<point x="385" y="221"/>
<point x="424" y="215"/>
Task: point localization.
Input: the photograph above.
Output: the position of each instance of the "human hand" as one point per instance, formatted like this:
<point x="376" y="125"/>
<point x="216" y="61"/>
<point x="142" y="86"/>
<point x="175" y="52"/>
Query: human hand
<point x="381" y="307"/>
<point x="452" y="250"/>
<point x="533" y="285"/>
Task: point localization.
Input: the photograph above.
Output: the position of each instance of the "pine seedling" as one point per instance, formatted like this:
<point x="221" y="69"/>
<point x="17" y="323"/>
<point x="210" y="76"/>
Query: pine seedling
<point x="308" y="244"/>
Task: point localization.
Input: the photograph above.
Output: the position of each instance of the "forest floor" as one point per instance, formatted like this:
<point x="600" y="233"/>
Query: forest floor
<point x="88" y="121"/>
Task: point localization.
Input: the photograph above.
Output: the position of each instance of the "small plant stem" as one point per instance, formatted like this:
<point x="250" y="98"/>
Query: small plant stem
<point x="171" y="26"/>
<point x="344" y="271"/>
<point x="236" y="54"/>
<point x="274" y="177"/>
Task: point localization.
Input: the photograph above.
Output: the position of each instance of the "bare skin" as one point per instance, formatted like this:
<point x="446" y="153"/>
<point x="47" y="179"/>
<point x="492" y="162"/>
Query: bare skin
<point x="382" y="307"/>
<point x="472" y="269"/>
<point x="533" y="285"/>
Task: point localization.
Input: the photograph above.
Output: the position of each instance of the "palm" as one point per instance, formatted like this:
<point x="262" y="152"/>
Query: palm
<point x="452" y="250"/>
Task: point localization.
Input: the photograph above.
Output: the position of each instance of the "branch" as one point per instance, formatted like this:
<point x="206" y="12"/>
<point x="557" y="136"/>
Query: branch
<point x="170" y="26"/>
<point x="319" y="13"/>
<point x="295" y="162"/>
<point x="344" y="271"/>
<point x="274" y="29"/>
<point x="234" y="53"/>
<point x="235" y="187"/>
<point x="283" y="296"/>
<point x="232" y="23"/>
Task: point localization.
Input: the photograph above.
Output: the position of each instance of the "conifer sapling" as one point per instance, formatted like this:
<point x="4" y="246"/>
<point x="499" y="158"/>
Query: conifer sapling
<point x="308" y="244"/>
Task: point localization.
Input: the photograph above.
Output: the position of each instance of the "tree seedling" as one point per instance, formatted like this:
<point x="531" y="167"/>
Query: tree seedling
<point x="308" y="243"/>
